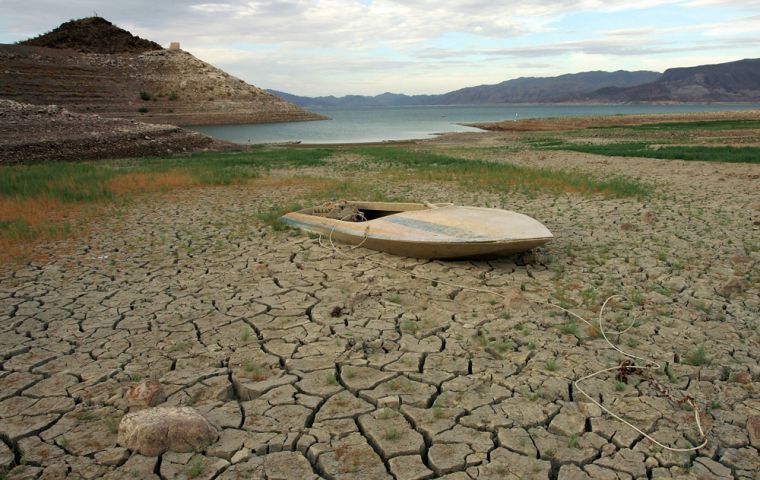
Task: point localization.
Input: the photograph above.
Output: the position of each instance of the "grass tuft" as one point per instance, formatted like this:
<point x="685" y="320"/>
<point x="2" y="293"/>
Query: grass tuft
<point x="697" y="357"/>
<point x="725" y="154"/>
<point x="50" y="201"/>
<point x="483" y="175"/>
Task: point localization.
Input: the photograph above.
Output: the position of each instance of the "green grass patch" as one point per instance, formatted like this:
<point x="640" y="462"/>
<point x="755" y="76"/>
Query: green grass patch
<point x="271" y="216"/>
<point x="681" y="126"/>
<point x="697" y="357"/>
<point x="89" y="181"/>
<point x="725" y="154"/>
<point x="484" y="175"/>
<point x="48" y="201"/>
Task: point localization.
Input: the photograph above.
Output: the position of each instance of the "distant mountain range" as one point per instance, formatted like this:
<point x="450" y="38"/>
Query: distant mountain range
<point x="726" y="82"/>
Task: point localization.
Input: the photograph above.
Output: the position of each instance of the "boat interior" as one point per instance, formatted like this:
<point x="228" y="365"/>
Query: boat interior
<point x="363" y="211"/>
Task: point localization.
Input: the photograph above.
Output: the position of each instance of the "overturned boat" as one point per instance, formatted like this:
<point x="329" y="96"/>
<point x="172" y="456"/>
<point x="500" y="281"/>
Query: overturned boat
<point x="423" y="230"/>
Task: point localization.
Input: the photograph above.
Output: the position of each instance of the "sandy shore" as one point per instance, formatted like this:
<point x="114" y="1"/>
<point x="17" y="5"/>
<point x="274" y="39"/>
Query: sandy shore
<point x="314" y="363"/>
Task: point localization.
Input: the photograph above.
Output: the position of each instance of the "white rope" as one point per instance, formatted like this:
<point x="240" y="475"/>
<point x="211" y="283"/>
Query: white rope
<point x="649" y="364"/>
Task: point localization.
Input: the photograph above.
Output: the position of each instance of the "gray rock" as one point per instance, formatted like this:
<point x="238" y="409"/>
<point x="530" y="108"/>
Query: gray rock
<point x="159" y="429"/>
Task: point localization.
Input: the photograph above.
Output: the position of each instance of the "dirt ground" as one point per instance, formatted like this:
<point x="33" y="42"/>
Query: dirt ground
<point x="314" y="363"/>
<point x="35" y="133"/>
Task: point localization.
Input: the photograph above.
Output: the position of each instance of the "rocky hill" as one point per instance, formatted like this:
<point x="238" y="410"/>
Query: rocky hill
<point x="724" y="82"/>
<point x="35" y="133"/>
<point x="93" y="35"/>
<point x="91" y="66"/>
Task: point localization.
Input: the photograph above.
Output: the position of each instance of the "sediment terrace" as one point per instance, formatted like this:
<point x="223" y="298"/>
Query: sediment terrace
<point x="158" y="86"/>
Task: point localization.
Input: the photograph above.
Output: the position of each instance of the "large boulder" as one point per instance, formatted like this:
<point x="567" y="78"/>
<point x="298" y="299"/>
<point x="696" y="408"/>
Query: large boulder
<point x="154" y="431"/>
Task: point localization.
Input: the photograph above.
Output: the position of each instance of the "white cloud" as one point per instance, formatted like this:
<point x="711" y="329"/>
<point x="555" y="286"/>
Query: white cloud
<point x="351" y="46"/>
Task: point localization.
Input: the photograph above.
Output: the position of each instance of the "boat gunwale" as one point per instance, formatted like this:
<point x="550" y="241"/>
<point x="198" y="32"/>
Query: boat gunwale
<point x="294" y="222"/>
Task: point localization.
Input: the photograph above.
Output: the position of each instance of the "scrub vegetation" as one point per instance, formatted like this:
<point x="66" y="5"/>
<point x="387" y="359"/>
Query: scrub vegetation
<point x="497" y="176"/>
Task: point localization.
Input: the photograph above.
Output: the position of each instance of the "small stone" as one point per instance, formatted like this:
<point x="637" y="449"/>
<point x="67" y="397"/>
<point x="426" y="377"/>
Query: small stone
<point x="743" y="377"/>
<point x="153" y="431"/>
<point x="147" y="393"/>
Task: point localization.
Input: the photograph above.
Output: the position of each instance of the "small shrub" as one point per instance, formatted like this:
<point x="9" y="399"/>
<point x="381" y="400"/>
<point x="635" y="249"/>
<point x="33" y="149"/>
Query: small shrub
<point x="697" y="357"/>
<point x="386" y="413"/>
<point x="173" y="96"/>
<point x="394" y="298"/>
<point x="246" y="335"/>
<point x="142" y="110"/>
<point x="145" y="96"/>
<point x="569" y="328"/>
<point x="391" y="433"/>
<point x="504" y="346"/>
<point x="551" y="364"/>
<point x="409" y="326"/>
<point x="533" y="396"/>
<point x="196" y="467"/>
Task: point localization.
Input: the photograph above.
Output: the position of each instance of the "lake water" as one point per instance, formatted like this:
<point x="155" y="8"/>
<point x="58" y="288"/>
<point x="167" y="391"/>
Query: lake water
<point x="376" y="124"/>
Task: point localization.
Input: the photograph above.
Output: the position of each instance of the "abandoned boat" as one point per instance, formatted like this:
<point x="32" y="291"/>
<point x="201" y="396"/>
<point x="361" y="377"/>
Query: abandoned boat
<point x="423" y="230"/>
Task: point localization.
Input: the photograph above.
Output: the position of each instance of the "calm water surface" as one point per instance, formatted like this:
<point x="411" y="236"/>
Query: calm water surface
<point x="375" y="124"/>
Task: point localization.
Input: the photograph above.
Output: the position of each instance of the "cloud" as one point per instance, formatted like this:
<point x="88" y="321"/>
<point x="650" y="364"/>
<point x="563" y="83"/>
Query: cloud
<point x="336" y="45"/>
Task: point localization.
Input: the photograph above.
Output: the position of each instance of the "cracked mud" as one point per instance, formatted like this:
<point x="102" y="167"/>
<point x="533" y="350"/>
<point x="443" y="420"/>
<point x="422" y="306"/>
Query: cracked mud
<point x="312" y="364"/>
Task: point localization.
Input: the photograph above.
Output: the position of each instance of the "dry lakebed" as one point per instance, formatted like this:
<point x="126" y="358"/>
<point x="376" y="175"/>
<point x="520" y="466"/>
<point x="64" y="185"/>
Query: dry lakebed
<point x="254" y="351"/>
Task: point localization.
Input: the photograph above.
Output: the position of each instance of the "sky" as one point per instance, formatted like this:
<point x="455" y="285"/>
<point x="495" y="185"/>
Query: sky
<point x="367" y="47"/>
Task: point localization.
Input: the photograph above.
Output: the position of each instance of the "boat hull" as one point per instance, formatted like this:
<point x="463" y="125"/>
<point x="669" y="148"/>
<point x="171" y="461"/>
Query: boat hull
<point x="427" y="231"/>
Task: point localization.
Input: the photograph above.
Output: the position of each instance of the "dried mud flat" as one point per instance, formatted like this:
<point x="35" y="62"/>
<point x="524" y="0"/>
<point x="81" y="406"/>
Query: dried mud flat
<point x="317" y="364"/>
